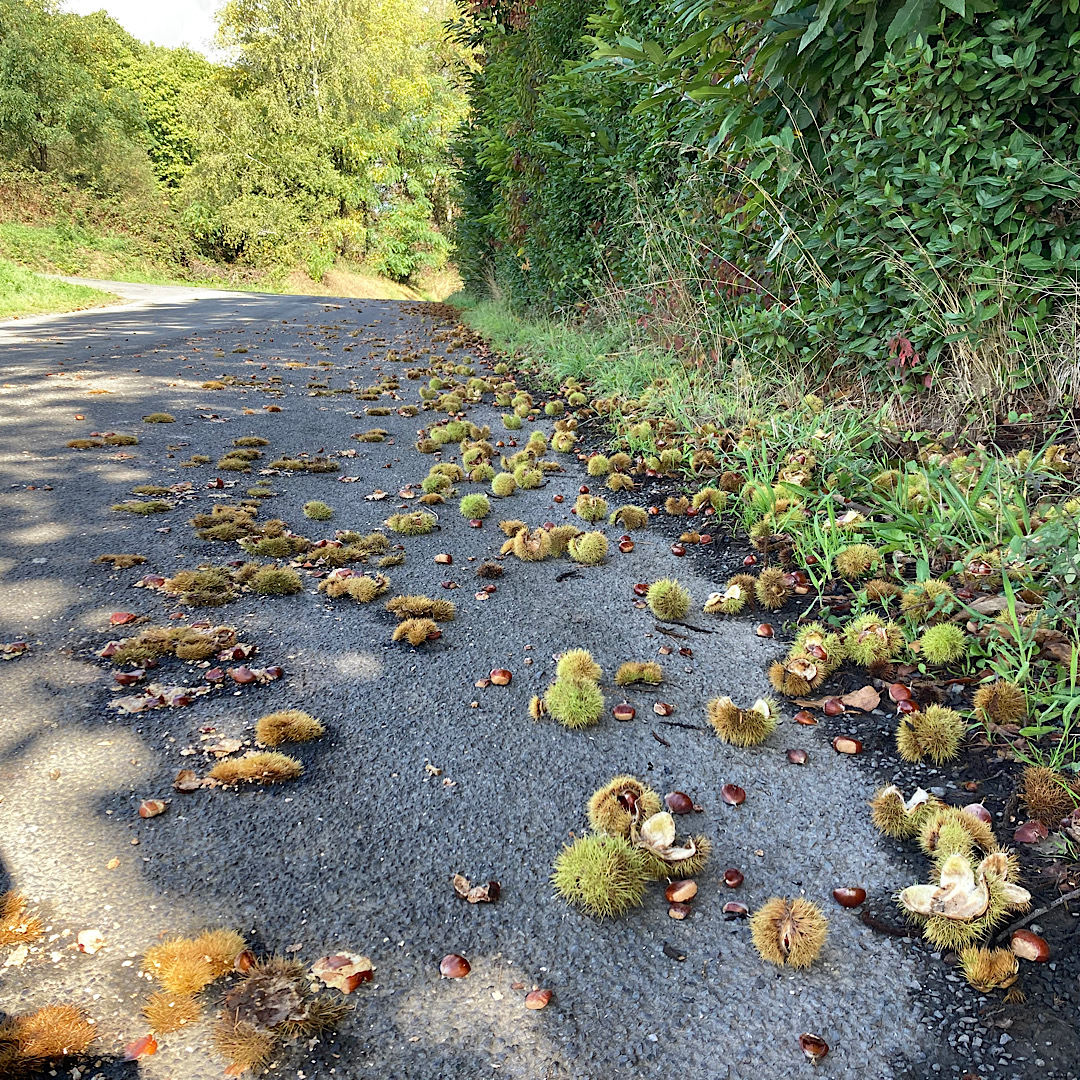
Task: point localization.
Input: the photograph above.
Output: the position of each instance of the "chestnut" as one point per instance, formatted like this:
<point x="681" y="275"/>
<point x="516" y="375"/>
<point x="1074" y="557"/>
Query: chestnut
<point x="680" y="892"/>
<point x="732" y="794"/>
<point x="678" y="802"/>
<point x="679" y="911"/>
<point x="806" y="718"/>
<point x="845" y="744"/>
<point x="537" y="999"/>
<point x="733" y="878"/>
<point x="624" y="711"/>
<point x="849" y="897"/>
<point x="453" y="966"/>
<point x="765" y="630"/>
<point x="798" y="757"/>
<point x="1029" y="946"/>
<point x="501" y="676"/>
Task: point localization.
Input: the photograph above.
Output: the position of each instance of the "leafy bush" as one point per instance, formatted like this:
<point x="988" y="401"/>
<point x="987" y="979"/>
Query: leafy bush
<point x="404" y="241"/>
<point x="886" y="191"/>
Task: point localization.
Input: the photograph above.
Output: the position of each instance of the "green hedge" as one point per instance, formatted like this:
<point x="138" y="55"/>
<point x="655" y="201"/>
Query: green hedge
<point x="884" y="187"/>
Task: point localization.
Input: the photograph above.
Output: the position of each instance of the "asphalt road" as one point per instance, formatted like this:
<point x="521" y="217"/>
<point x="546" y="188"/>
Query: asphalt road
<point x="421" y="774"/>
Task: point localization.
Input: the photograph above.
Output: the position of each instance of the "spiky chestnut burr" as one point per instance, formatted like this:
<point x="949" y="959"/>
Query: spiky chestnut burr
<point x="769" y="589"/>
<point x="531" y="546"/>
<point x="894" y="816"/>
<point x="603" y="875"/>
<point x="1000" y="702"/>
<point x="537" y="708"/>
<point x="619" y="482"/>
<point x="474" y="505"/>
<point x="167" y="1013"/>
<point x="598" y="466"/>
<point x="934" y="733"/>
<point x="856" y="561"/>
<point x="676" y="505"/>
<point x="633" y="671"/>
<point x="668" y="600"/>
<point x="187" y="965"/>
<point x="257" y="767"/>
<point x="660" y="869"/>
<point x="869" y="640"/>
<point x="245" y="1048"/>
<point x="422" y="607"/>
<point x="577" y="665"/>
<point x="55" y="1031"/>
<point x="511" y="527"/>
<point x="416" y="631"/>
<point x="503" y="485"/>
<point x="928" y="601"/>
<point x="738" y="594"/>
<point x="1048" y="795"/>
<point x="823" y="647"/>
<point x="574" y="704"/>
<point x="796" y="676"/>
<point x="934" y="836"/>
<point x="589" y="549"/>
<point x="289" y="725"/>
<point x="591" y="508"/>
<point x="614" y="807"/>
<point x="741" y="727"/>
<point x="790" y="932"/>
<point x="712" y="497"/>
<point x="879" y="591"/>
<point x="560" y="537"/>
<point x="630" y="517"/>
<point x="944" y="643"/>
<point x="989" y="969"/>
<point x="418" y="523"/>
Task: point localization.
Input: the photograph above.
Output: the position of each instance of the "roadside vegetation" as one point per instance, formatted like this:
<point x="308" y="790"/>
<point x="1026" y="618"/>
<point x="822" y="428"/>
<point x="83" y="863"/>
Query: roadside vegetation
<point x="831" y="253"/>
<point x="25" y="293"/>
<point x="285" y="168"/>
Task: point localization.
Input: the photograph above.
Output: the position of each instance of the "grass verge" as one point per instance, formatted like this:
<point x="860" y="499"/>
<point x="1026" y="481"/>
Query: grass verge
<point x="23" y="292"/>
<point x="841" y="493"/>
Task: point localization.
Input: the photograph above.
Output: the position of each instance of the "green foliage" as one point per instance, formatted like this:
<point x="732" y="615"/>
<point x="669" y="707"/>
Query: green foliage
<point x="25" y="293"/>
<point x="324" y="138"/>
<point x="883" y="184"/>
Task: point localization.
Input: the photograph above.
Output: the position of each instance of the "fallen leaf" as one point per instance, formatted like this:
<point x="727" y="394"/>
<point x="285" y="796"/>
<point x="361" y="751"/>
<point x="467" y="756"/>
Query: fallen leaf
<point x="143" y="1047"/>
<point x="867" y="699"/>
<point x="225" y="746"/>
<point x="119" y="618"/>
<point x="89" y="941"/>
<point x="186" y="780"/>
<point x="343" y="971"/>
<point x="112" y="864"/>
<point x="17" y="956"/>
<point x="375" y="496"/>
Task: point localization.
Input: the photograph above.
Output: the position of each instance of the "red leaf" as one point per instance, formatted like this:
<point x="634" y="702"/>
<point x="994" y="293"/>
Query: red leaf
<point x="143" y="1047"/>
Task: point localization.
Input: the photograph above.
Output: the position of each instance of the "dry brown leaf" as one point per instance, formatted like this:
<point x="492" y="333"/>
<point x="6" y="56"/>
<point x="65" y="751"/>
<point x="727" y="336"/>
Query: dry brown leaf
<point x="866" y="698"/>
